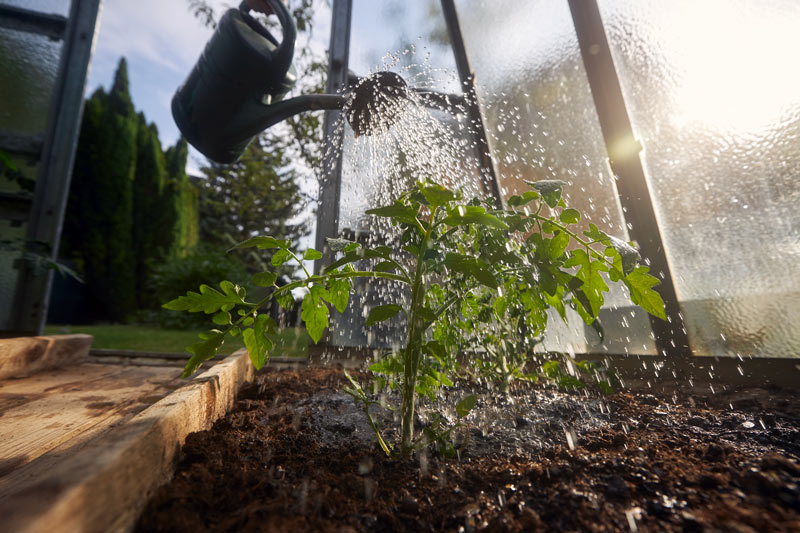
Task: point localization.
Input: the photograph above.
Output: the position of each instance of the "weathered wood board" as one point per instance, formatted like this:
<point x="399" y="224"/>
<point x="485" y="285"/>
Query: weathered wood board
<point x="102" y="484"/>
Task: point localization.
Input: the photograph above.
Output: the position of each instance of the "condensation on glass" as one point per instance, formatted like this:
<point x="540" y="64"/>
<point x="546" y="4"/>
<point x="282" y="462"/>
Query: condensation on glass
<point x="713" y="91"/>
<point x="28" y="69"/>
<point x="541" y="123"/>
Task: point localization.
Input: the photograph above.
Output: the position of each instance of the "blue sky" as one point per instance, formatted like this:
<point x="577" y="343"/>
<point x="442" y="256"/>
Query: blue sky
<point x="161" y="41"/>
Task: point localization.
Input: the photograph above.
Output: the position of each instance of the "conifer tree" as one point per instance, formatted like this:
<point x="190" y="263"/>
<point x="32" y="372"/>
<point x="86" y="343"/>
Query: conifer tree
<point x="99" y="226"/>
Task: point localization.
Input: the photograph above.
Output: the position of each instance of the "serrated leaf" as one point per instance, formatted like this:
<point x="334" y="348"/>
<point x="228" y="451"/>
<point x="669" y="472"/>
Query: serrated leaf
<point x="338" y="245"/>
<point x="558" y="245"/>
<point x="265" y="279"/>
<point x="387" y="365"/>
<point x="204" y="350"/>
<point x="286" y="300"/>
<point x="640" y="283"/>
<point x="280" y="257"/>
<point x="397" y="212"/>
<point x="436" y="194"/>
<point x="472" y="214"/>
<point x="312" y="255"/>
<point x="314" y="313"/>
<point x="570" y="216"/>
<point x="223" y="318"/>
<point x="385" y="266"/>
<point x="262" y="243"/>
<point x="339" y="294"/>
<point x="208" y="300"/>
<point x="471" y="266"/>
<point x="256" y="340"/>
<point x="465" y="405"/>
<point x="382" y="312"/>
<point x="549" y="189"/>
<point x="629" y="255"/>
<point x="524" y="198"/>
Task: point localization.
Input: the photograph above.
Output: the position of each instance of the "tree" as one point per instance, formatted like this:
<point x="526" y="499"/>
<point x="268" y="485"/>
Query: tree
<point x="98" y="230"/>
<point x="256" y="195"/>
<point x="151" y="242"/>
<point x="181" y="201"/>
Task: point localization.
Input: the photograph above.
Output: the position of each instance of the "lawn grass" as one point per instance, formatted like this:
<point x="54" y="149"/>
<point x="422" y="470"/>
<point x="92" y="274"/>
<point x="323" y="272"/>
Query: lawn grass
<point x="289" y="342"/>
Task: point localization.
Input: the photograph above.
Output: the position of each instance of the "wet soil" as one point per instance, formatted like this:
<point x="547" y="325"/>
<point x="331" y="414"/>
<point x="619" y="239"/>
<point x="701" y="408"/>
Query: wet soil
<point x="296" y="454"/>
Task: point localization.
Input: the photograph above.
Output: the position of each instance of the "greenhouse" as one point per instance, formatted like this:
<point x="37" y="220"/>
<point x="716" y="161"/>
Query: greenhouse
<point x="446" y="265"/>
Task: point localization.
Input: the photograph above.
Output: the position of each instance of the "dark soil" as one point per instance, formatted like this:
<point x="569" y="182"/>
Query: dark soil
<point x="295" y="454"/>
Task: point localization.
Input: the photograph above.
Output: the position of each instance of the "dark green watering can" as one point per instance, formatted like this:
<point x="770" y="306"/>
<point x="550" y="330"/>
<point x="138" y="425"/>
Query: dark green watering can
<point x="236" y="88"/>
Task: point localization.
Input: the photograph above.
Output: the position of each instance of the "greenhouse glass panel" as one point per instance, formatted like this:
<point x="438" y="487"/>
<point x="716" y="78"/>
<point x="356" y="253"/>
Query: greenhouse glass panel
<point x="53" y="7"/>
<point x="541" y="124"/>
<point x="28" y="70"/>
<point x="714" y="95"/>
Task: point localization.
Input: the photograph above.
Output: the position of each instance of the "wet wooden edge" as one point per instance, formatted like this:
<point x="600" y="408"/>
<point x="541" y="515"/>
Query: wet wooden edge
<point x="105" y="486"/>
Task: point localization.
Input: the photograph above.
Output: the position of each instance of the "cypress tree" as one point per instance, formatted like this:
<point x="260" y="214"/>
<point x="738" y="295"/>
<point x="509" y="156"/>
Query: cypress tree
<point x="100" y="213"/>
<point x="150" y="242"/>
<point x="181" y="201"/>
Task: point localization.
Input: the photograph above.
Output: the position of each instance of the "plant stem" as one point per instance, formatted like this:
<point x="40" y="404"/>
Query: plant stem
<point x="412" y="352"/>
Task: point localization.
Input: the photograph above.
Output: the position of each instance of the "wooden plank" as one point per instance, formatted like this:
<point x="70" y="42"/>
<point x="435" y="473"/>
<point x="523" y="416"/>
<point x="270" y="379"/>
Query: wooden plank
<point x="24" y="356"/>
<point x="41" y="413"/>
<point x="105" y="485"/>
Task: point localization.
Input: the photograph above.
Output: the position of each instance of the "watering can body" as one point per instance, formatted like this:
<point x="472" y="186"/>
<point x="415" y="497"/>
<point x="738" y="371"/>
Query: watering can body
<point x="233" y="91"/>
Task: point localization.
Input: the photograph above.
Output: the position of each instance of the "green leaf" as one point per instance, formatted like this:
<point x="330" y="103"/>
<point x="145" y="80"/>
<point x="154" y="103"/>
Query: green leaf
<point x="262" y="243"/>
<point x="311" y="254"/>
<point x="385" y="266"/>
<point x="286" y="300"/>
<point x="204" y="350"/>
<point x="605" y="387"/>
<point x="558" y="245"/>
<point x="437" y="195"/>
<point x="549" y="189"/>
<point x="551" y="369"/>
<point x="280" y="257"/>
<point x="256" y="340"/>
<point x="339" y="293"/>
<point x="589" y="272"/>
<point x="570" y="216"/>
<point x="208" y="300"/>
<point x="314" y="313"/>
<point x="500" y="306"/>
<point x="265" y="279"/>
<point x="640" y="284"/>
<point x="338" y="245"/>
<point x="223" y="318"/>
<point x="629" y="255"/>
<point x="524" y="198"/>
<point x="465" y="405"/>
<point x="397" y="212"/>
<point x="235" y="331"/>
<point x="382" y="312"/>
<point x="471" y="266"/>
<point x="388" y="365"/>
<point x="472" y="214"/>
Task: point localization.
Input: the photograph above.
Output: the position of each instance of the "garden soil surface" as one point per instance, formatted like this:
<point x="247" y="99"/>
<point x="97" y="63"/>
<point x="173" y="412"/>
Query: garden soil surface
<point x="295" y="454"/>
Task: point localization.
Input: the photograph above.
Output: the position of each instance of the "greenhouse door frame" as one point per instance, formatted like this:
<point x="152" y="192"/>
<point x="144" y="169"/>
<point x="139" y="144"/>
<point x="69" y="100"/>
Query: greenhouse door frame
<point x="671" y="337"/>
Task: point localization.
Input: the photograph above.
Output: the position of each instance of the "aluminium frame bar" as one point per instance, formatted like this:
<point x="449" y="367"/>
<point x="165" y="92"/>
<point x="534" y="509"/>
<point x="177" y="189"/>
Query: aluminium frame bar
<point x="467" y="78"/>
<point x="623" y="149"/>
<point x="331" y="181"/>
<point x="32" y="294"/>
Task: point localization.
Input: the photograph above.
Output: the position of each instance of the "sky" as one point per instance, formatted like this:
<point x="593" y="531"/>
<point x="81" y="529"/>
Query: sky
<point x="162" y="40"/>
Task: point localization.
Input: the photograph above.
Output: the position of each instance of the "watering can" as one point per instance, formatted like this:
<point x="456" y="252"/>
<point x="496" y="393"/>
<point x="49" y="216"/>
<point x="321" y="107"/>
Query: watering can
<point x="235" y="90"/>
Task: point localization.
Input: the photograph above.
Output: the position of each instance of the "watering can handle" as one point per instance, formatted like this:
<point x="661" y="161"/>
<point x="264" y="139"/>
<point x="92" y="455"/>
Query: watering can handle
<point x="285" y="52"/>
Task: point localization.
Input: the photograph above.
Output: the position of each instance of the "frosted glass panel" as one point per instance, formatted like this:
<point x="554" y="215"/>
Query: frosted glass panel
<point x="55" y="7"/>
<point x="409" y="37"/>
<point x="713" y="90"/>
<point x="541" y="124"/>
<point x="28" y="69"/>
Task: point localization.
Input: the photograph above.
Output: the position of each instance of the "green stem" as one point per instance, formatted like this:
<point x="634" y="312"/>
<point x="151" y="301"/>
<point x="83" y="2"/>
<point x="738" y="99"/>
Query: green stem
<point x="413" y="348"/>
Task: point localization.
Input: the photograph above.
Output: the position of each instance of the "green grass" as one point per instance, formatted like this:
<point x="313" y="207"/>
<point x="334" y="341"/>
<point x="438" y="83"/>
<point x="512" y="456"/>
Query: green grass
<point x="289" y="342"/>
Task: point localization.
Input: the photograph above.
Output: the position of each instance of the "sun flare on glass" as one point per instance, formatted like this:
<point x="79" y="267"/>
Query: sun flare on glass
<point x="739" y="71"/>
